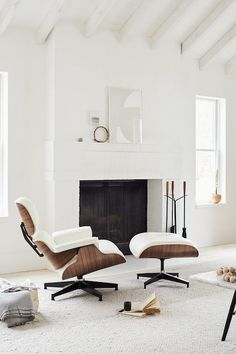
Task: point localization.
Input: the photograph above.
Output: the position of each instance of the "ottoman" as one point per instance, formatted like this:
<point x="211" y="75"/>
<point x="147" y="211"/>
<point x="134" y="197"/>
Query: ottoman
<point x="162" y="245"/>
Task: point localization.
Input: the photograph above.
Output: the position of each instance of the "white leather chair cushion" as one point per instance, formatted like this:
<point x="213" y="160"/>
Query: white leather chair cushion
<point x="64" y="246"/>
<point x="140" y="242"/>
<point x="69" y="235"/>
<point x="26" y="202"/>
<point x="107" y="247"/>
<point x="75" y="244"/>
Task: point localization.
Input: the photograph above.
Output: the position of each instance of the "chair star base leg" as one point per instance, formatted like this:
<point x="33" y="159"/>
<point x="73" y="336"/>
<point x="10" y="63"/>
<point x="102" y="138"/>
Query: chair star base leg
<point x="85" y="285"/>
<point x="151" y="275"/>
<point x="162" y="275"/>
<point x="57" y="284"/>
<point x="102" y="285"/>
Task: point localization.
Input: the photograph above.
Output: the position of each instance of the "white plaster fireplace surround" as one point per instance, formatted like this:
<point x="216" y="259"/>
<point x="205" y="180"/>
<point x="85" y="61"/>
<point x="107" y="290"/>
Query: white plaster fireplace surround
<point x="67" y="162"/>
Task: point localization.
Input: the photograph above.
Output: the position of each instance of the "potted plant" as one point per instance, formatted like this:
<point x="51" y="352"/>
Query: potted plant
<point x="215" y="197"/>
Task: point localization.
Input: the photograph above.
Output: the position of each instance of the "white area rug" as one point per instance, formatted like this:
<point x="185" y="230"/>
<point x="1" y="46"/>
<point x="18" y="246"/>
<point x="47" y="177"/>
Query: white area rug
<point x="191" y="322"/>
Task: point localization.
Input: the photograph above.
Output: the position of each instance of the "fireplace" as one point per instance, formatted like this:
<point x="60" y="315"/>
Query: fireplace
<point x="116" y="210"/>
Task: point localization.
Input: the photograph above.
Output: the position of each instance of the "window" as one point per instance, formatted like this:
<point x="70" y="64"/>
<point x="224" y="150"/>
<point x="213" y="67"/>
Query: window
<point x="3" y="144"/>
<point x="210" y="148"/>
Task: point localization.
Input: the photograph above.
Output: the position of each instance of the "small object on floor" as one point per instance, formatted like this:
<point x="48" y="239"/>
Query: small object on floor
<point x="7" y="286"/>
<point x="226" y="277"/>
<point x="16" y="308"/>
<point x="18" y="302"/>
<point x="228" y="274"/>
<point x="219" y="271"/>
<point x="232" y="279"/>
<point x="127" y="305"/>
<point x="149" y="306"/>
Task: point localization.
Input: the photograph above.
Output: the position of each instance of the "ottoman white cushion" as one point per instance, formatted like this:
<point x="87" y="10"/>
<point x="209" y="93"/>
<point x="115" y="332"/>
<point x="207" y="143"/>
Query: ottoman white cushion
<point x="140" y="242"/>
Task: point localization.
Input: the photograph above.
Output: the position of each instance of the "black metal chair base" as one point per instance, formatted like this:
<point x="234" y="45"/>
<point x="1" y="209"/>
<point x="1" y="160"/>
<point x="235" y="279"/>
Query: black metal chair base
<point x="159" y="276"/>
<point x="229" y="316"/>
<point x="162" y="275"/>
<point x="85" y="285"/>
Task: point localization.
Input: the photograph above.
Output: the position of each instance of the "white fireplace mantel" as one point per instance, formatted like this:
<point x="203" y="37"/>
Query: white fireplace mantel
<point x="66" y="160"/>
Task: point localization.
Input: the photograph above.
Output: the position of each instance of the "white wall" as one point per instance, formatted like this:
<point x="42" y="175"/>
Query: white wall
<point x="84" y="68"/>
<point x="24" y="61"/>
<point x="51" y="90"/>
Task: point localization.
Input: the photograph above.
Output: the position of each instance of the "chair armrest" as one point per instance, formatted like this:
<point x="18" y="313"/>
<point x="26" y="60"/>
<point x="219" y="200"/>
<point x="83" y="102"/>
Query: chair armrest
<point x="75" y="244"/>
<point x="44" y="237"/>
<point x="108" y="247"/>
<point x="72" y="235"/>
<point x="63" y="246"/>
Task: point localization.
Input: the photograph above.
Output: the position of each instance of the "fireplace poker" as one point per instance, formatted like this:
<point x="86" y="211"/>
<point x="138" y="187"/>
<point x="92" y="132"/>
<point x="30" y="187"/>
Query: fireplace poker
<point x="184" y="233"/>
<point x="173" y="209"/>
<point x="167" y="204"/>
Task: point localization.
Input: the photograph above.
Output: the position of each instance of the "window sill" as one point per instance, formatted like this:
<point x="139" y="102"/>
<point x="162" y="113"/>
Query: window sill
<point x="209" y="205"/>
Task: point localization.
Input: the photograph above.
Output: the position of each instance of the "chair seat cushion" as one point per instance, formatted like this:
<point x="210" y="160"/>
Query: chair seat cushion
<point x="161" y="245"/>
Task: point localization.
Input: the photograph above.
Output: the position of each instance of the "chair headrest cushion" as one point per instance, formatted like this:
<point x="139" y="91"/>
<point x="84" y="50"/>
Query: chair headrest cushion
<point x="28" y="213"/>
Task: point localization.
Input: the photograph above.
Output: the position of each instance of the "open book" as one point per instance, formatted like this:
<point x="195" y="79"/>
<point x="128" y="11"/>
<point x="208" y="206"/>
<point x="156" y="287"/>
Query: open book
<point x="149" y="306"/>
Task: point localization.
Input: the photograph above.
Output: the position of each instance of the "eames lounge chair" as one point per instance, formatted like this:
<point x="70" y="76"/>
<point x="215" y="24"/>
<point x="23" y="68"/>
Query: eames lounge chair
<point x="73" y="252"/>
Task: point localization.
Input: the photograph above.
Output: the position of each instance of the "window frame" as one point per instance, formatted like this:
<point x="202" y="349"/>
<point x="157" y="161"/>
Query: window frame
<point x="219" y="146"/>
<point x="3" y="144"/>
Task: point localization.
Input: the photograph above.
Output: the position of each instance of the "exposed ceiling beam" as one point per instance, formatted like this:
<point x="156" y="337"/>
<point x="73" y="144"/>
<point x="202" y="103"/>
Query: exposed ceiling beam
<point x="50" y="21"/>
<point x="134" y="18"/>
<point x="175" y="15"/>
<point x="7" y="13"/>
<point x="217" y="47"/>
<point x="230" y="66"/>
<point x="205" y="24"/>
<point x="97" y="17"/>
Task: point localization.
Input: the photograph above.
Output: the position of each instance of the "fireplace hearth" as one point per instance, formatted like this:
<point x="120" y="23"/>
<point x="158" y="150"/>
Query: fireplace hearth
<point x="116" y="210"/>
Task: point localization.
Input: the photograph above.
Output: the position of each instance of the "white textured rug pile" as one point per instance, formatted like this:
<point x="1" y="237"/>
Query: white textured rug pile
<point x="191" y="321"/>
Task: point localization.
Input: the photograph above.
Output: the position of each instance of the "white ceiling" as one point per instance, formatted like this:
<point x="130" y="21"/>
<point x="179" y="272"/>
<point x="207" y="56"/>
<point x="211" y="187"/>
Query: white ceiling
<point x="159" y="20"/>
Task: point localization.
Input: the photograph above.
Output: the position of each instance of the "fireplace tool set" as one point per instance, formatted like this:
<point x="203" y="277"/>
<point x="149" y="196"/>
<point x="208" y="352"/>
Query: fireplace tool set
<point x="171" y="197"/>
